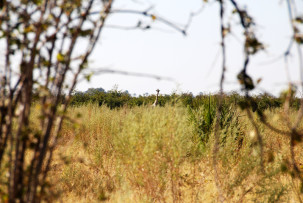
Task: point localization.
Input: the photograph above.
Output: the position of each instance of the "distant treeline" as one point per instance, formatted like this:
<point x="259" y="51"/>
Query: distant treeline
<point x="116" y="98"/>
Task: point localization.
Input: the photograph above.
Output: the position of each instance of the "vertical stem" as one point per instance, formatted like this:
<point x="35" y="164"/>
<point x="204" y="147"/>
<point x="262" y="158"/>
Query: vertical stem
<point x="259" y="137"/>
<point x="219" y="109"/>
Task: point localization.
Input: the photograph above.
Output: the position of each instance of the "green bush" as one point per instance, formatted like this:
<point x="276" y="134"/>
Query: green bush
<point x="117" y="98"/>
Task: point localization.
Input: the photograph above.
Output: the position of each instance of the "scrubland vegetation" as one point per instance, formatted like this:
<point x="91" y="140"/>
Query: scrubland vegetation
<point x="117" y="98"/>
<point x="60" y="145"/>
<point x="164" y="154"/>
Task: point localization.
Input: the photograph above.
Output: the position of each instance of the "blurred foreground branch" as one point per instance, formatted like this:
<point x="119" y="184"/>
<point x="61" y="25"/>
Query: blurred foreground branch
<point x="42" y="59"/>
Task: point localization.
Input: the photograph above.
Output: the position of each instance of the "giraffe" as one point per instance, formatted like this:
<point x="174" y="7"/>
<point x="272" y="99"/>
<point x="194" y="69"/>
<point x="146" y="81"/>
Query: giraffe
<point x="156" y="101"/>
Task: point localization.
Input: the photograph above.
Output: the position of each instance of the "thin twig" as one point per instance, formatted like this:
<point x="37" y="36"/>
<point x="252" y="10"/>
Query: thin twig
<point x="219" y="109"/>
<point x="127" y="73"/>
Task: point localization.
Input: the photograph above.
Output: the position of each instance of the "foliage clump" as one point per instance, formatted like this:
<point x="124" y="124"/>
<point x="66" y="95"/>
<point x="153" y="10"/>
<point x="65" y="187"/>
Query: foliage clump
<point x="117" y="98"/>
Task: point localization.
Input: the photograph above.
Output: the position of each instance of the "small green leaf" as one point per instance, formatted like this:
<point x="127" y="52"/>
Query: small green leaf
<point x="28" y="29"/>
<point x="298" y="19"/>
<point x="88" y="76"/>
<point x="60" y="57"/>
<point x="84" y="33"/>
<point x="84" y="65"/>
<point x="299" y="38"/>
<point x="37" y="2"/>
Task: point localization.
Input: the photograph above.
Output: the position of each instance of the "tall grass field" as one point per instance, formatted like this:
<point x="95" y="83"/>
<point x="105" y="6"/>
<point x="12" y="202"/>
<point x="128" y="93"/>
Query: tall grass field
<point x="164" y="154"/>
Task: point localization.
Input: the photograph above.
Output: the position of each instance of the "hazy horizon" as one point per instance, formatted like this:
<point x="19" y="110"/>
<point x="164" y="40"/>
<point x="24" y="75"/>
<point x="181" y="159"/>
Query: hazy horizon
<point x="193" y="61"/>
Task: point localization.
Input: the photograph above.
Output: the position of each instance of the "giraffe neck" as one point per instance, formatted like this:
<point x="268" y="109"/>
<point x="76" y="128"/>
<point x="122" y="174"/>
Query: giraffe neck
<point x="156" y="101"/>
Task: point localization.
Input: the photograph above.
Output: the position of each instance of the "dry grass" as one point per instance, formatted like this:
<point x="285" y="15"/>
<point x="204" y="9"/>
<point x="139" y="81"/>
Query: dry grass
<point x="153" y="155"/>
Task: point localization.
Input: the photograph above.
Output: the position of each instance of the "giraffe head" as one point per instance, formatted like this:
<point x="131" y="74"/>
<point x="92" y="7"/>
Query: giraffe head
<point x="158" y="91"/>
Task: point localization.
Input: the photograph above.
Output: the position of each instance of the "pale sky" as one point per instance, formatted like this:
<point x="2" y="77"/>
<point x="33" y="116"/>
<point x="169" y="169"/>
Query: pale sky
<point x="194" y="61"/>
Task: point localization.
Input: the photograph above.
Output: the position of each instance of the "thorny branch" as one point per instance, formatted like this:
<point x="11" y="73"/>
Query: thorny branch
<point x="251" y="46"/>
<point x="294" y="134"/>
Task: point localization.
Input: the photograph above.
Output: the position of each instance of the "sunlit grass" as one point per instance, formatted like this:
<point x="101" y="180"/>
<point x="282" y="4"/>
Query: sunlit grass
<point x="146" y="154"/>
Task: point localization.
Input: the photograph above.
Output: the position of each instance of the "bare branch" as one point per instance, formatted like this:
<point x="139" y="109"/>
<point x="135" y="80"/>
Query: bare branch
<point x="158" y="18"/>
<point x="120" y="72"/>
